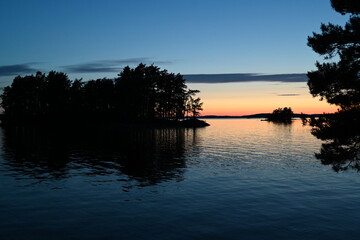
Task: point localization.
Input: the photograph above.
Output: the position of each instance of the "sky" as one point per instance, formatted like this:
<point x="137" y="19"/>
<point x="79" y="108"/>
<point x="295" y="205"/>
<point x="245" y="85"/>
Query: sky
<point x="244" y="56"/>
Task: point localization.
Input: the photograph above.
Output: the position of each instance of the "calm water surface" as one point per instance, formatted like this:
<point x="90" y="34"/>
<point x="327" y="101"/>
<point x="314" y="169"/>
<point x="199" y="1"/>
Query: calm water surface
<point x="237" y="179"/>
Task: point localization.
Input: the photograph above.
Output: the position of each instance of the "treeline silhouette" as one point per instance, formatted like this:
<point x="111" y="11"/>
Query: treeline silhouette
<point x="143" y="93"/>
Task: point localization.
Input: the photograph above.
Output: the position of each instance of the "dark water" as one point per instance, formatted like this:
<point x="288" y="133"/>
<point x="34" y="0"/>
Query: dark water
<point x="237" y="179"/>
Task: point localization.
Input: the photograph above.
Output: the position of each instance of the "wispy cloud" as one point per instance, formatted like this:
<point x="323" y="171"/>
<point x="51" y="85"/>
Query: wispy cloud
<point x="288" y="95"/>
<point x="109" y="65"/>
<point x="17" y="69"/>
<point x="245" y="77"/>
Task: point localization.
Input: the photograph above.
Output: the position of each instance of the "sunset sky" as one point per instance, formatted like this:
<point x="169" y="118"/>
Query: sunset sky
<point x="248" y="39"/>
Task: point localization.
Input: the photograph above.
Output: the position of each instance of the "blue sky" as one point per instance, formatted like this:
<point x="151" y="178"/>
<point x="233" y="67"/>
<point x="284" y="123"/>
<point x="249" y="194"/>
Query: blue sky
<point x="92" y="39"/>
<point x="257" y="36"/>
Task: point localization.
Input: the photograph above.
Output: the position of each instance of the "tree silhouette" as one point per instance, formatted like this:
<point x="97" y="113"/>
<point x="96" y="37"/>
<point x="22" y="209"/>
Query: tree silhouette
<point x="348" y="6"/>
<point x="99" y="96"/>
<point x="56" y="93"/>
<point x="25" y="95"/>
<point x="146" y="92"/>
<point x="76" y="97"/>
<point x="338" y="83"/>
<point x="193" y="105"/>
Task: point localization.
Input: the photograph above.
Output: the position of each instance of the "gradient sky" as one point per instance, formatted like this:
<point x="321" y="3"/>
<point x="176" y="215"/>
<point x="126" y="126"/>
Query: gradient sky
<point x="92" y="39"/>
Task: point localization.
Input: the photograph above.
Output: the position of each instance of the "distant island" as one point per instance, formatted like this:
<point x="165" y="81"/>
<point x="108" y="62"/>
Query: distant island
<point x="142" y="95"/>
<point x="281" y="115"/>
<point x="260" y="115"/>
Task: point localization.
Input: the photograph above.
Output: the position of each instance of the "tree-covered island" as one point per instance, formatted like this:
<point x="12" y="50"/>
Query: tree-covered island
<point x="281" y="115"/>
<point x="144" y="94"/>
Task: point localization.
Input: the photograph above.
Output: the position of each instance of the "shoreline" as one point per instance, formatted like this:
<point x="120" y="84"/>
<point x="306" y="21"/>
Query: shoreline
<point x="97" y="121"/>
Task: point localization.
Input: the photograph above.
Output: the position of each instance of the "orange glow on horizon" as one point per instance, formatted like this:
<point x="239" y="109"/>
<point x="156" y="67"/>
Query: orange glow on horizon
<point x="225" y="112"/>
<point x="237" y="99"/>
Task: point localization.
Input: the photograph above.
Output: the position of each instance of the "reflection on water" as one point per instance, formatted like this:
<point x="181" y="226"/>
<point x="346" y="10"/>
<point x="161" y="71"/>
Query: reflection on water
<point x="149" y="156"/>
<point x="238" y="178"/>
<point x="341" y="131"/>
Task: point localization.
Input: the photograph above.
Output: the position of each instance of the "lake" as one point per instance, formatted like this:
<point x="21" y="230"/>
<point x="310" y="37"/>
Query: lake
<point x="237" y="179"/>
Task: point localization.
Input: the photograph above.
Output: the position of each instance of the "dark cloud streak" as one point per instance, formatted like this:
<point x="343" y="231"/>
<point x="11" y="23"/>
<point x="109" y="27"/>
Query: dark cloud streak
<point x="245" y="77"/>
<point x="117" y="65"/>
<point x="17" y="69"/>
<point x="109" y="65"/>
<point x="288" y="95"/>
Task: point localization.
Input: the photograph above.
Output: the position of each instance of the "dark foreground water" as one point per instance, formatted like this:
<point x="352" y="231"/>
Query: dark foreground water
<point x="237" y="179"/>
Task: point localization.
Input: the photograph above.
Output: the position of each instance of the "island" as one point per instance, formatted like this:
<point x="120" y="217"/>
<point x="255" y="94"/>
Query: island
<point x="144" y="95"/>
<point x="281" y="115"/>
